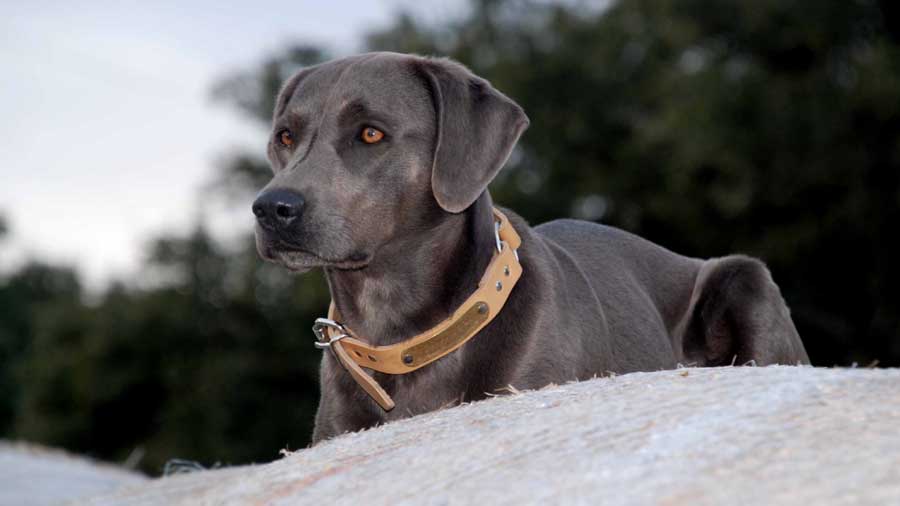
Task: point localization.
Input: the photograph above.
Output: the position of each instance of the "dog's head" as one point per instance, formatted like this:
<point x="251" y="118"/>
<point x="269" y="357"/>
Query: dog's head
<point x="364" y="148"/>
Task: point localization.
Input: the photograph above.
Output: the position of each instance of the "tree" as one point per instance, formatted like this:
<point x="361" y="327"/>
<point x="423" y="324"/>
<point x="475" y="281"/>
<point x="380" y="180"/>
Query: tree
<point x="25" y="296"/>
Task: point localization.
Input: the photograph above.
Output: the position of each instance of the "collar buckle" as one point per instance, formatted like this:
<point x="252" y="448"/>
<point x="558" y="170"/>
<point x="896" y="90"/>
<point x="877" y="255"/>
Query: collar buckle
<point x="323" y="336"/>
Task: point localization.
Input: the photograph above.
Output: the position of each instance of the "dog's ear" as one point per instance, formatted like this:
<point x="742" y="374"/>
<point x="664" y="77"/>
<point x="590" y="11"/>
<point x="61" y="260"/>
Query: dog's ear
<point x="477" y="127"/>
<point x="288" y="88"/>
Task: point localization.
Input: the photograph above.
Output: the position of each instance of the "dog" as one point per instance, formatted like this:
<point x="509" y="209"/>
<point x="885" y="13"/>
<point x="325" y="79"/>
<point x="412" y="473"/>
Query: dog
<point x="381" y="164"/>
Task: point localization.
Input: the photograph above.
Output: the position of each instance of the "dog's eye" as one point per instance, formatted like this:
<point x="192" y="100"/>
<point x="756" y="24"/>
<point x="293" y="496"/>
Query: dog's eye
<point x="371" y="135"/>
<point x="286" y="138"/>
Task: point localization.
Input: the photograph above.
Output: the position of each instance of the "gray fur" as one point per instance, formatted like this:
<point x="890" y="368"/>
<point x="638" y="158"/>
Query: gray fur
<point x="403" y="230"/>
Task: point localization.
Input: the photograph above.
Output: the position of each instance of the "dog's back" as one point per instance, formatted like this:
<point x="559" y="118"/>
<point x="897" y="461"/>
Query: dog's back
<point x="641" y="288"/>
<point x="662" y="308"/>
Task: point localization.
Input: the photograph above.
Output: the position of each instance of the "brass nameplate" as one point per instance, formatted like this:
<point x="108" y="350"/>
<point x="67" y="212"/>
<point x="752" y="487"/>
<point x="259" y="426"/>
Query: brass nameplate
<point x="447" y="340"/>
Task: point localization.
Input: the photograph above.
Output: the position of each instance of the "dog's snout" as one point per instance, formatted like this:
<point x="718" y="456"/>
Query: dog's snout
<point x="279" y="207"/>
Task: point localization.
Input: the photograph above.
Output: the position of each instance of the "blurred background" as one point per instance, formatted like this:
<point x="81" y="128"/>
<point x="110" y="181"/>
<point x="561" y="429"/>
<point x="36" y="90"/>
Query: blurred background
<point x="138" y="325"/>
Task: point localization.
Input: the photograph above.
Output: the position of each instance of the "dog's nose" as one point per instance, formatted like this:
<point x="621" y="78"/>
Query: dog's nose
<point x="278" y="207"/>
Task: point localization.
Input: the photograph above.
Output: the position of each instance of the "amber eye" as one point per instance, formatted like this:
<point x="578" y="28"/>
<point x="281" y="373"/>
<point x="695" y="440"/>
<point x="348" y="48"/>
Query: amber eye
<point x="286" y="138"/>
<point x="372" y="135"/>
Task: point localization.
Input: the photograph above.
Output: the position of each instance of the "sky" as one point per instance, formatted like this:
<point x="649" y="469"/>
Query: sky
<point x="108" y="133"/>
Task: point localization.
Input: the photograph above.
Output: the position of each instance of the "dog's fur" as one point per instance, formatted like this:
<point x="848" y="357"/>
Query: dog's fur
<point x="403" y="229"/>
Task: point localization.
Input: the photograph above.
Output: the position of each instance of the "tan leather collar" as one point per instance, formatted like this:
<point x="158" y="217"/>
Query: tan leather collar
<point x="472" y="315"/>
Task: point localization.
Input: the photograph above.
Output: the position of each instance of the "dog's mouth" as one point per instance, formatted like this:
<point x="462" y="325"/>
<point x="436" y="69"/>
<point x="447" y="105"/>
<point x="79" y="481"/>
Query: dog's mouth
<point x="300" y="260"/>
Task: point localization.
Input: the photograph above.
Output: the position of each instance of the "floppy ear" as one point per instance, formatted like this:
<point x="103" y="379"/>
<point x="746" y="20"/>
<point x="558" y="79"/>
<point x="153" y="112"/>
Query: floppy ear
<point x="477" y="127"/>
<point x="287" y="90"/>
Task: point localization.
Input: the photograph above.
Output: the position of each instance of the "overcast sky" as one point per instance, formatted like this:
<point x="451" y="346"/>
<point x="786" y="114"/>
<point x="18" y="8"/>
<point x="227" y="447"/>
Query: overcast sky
<point x="107" y="130"/>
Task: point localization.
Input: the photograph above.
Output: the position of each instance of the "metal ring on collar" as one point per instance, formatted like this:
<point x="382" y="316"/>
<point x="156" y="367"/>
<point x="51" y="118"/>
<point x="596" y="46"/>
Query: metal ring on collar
<point x="320" y="345"/>
<point x="320" y="327"/>
<point x="501" y="243"/>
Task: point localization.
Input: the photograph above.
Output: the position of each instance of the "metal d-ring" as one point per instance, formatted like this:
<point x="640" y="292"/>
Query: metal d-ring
<point x="325" y="340"/>
<point x="500" y="243"/>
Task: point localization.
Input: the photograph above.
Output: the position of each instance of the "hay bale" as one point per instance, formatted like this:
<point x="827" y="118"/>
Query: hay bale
<point x="772" y="435"/>
<point x="32" y="475"/>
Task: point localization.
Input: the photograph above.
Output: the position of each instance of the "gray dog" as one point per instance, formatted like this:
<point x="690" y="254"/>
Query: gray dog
<point x="381" y="165"/>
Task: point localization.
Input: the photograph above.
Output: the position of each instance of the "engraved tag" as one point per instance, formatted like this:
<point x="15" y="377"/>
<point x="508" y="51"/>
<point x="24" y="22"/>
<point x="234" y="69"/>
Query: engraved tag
<point x="448" y="339"/>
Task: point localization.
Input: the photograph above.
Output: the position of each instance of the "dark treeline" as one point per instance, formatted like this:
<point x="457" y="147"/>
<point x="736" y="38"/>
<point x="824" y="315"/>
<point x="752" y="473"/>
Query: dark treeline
<point x="758" y="126"/>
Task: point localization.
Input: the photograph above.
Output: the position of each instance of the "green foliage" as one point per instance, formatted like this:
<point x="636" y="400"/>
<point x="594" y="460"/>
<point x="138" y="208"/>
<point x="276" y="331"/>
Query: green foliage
<point x="758" y="126"/>
<point x="214" y="365"/>
<point x="25" y="296"/>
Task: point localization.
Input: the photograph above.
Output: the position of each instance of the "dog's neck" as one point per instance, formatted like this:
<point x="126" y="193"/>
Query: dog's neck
<point x="414" y="283"/>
